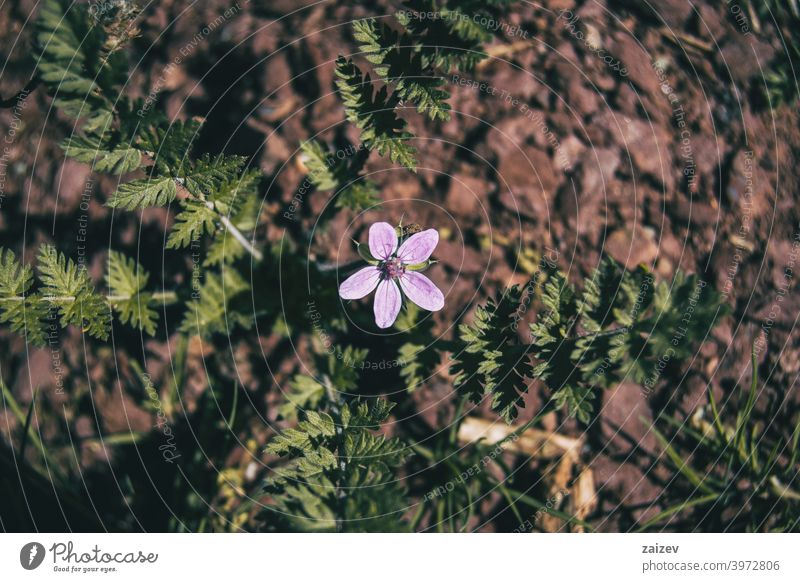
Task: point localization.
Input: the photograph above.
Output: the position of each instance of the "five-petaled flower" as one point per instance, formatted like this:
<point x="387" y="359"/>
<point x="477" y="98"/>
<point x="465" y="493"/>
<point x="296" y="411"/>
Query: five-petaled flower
<point x="395" y="266"/>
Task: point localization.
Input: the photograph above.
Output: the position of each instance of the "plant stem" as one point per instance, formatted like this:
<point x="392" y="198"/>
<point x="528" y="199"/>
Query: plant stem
<point x="326" y="267"/>
<point x="226" y="222"/>
<point x="23" y="93"/>
<point x="335" y="406"/>
<point x="538" y="505"/>
<point x="230" y="227"/>
<point x="166" y="297"/>
<point x="240" y="238"/>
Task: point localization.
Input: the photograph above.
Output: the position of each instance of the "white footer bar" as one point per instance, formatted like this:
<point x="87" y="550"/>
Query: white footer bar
<point x="397" y="557"/>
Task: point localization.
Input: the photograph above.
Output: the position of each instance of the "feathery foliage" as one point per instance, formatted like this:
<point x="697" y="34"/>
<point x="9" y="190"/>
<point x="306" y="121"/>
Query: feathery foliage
<point x="126" y="283"/>
<point x="410" y="61"/>
<point x="69" y="289"/>
<point x="210" y="310"/>
<point x="103" y="154"/>
<point x="397" y="61"/>
<point x="79" y="63"/>
<point x="374" y="113"/>
<point x="66" y="291"/>
<point x="22" y="310"/>
<point x="622" y="325"/>
<point x="83" y="65"/>
<point x="340" y="474"/>
<point x="489" y="360"/>
<point x="416" y="358"/>
<point x="340" y="371"/>
<point x="339" y="172"/>
<point x="144" y="193"/>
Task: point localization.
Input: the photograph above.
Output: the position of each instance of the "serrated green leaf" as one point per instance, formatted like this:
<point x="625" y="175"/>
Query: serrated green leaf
<point x="144" y="193"/>
<point x="68" y="288"/>
<point x="126" y="281"/>
<point x="194" y="220"/>
<point x="103" y="157"/>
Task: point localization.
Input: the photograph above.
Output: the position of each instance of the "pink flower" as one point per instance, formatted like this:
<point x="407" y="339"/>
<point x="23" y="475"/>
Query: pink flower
<point x="396" y="269"/>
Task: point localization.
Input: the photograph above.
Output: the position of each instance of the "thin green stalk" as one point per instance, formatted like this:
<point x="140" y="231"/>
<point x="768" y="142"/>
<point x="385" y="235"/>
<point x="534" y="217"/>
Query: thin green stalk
<point x="11" y="402"/>
<point x="225" y="220"/>
<point x="415" y="521"/>
<point x="507" y="494"/>
<point x="677" y="509"/>
<point x="166" y="297"/>
<point x="543" y="506"/>
<point x="26" y="429"/>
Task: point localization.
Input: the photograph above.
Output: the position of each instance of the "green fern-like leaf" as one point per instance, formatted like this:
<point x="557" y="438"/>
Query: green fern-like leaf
<point x="374" y="114"/>
<point x="358" y="196"/>
<point x="68" y="287"/>
<point x="325" y="170"/>
<point x="304" y="392"/>
<point x="210" y="310"/>
<point x="170" y="145"/>
<point x="329" y="172"/>
<point x="459" y="33"/>
<point x="338" y="371"/>
<point x="236" y="193"/>
<point x="398" y="60"/>
<point x="491" y="360"/>
<point x="553" y="339"/>
<point x="144" y="193"/>
<point x="127" y="281"/>
<point x="340" y="476"/>
<point x="195" y="219"/>
<point x="622" y="325"/>
<point x="73" y="65"/>
<point x="208" y="174"/>
<point x="22" y="310"/>
<point x="102" y="155"/>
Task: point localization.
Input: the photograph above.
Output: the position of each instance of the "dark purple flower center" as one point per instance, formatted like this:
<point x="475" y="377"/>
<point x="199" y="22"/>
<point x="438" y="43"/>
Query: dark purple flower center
<point x="392" y="268"/>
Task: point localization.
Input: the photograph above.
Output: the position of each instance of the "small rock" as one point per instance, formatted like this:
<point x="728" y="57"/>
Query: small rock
<point x="463" y="196"/>
<point x="694" y="213"/>
<point x="649" y="147"/>
<point x="584" y="100"/>
<point x="624" y="407"/>
<point x="460" y="258"/>
<point x="673" y="12"/>
<point x="744" y="58"/>
<point x="571" y="149"/>
<point x="632" y="247"/>
<point x="597" y="168"/>
<point x="528" y="168"/>
<point x="636" y="60"/>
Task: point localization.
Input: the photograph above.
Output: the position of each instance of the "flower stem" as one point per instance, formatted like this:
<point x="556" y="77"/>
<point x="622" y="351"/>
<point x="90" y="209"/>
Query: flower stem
<point x="224" y="219"/>
<point x="166" y="297"/>
<point x="240" y="238"/>
<point x="334" y="402"/>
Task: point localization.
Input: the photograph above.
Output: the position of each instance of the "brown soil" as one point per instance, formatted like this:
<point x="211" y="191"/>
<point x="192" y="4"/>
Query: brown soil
<point x="651" y="167"/>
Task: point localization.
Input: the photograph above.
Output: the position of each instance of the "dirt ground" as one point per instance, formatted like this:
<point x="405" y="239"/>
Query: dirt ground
<point x="640" y="138"/>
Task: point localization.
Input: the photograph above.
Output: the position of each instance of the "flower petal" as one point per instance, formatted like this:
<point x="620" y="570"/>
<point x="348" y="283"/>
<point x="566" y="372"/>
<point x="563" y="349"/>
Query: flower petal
<point x="422" y="291"/>
<point x="418" y="247"/>
<point x="360" y="284"/>
<point x="387" y="303"/>
<point x="382" y="240"/>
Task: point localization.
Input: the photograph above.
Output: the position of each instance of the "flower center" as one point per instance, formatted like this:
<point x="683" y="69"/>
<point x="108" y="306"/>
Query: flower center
<point x="393" y="268"/>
